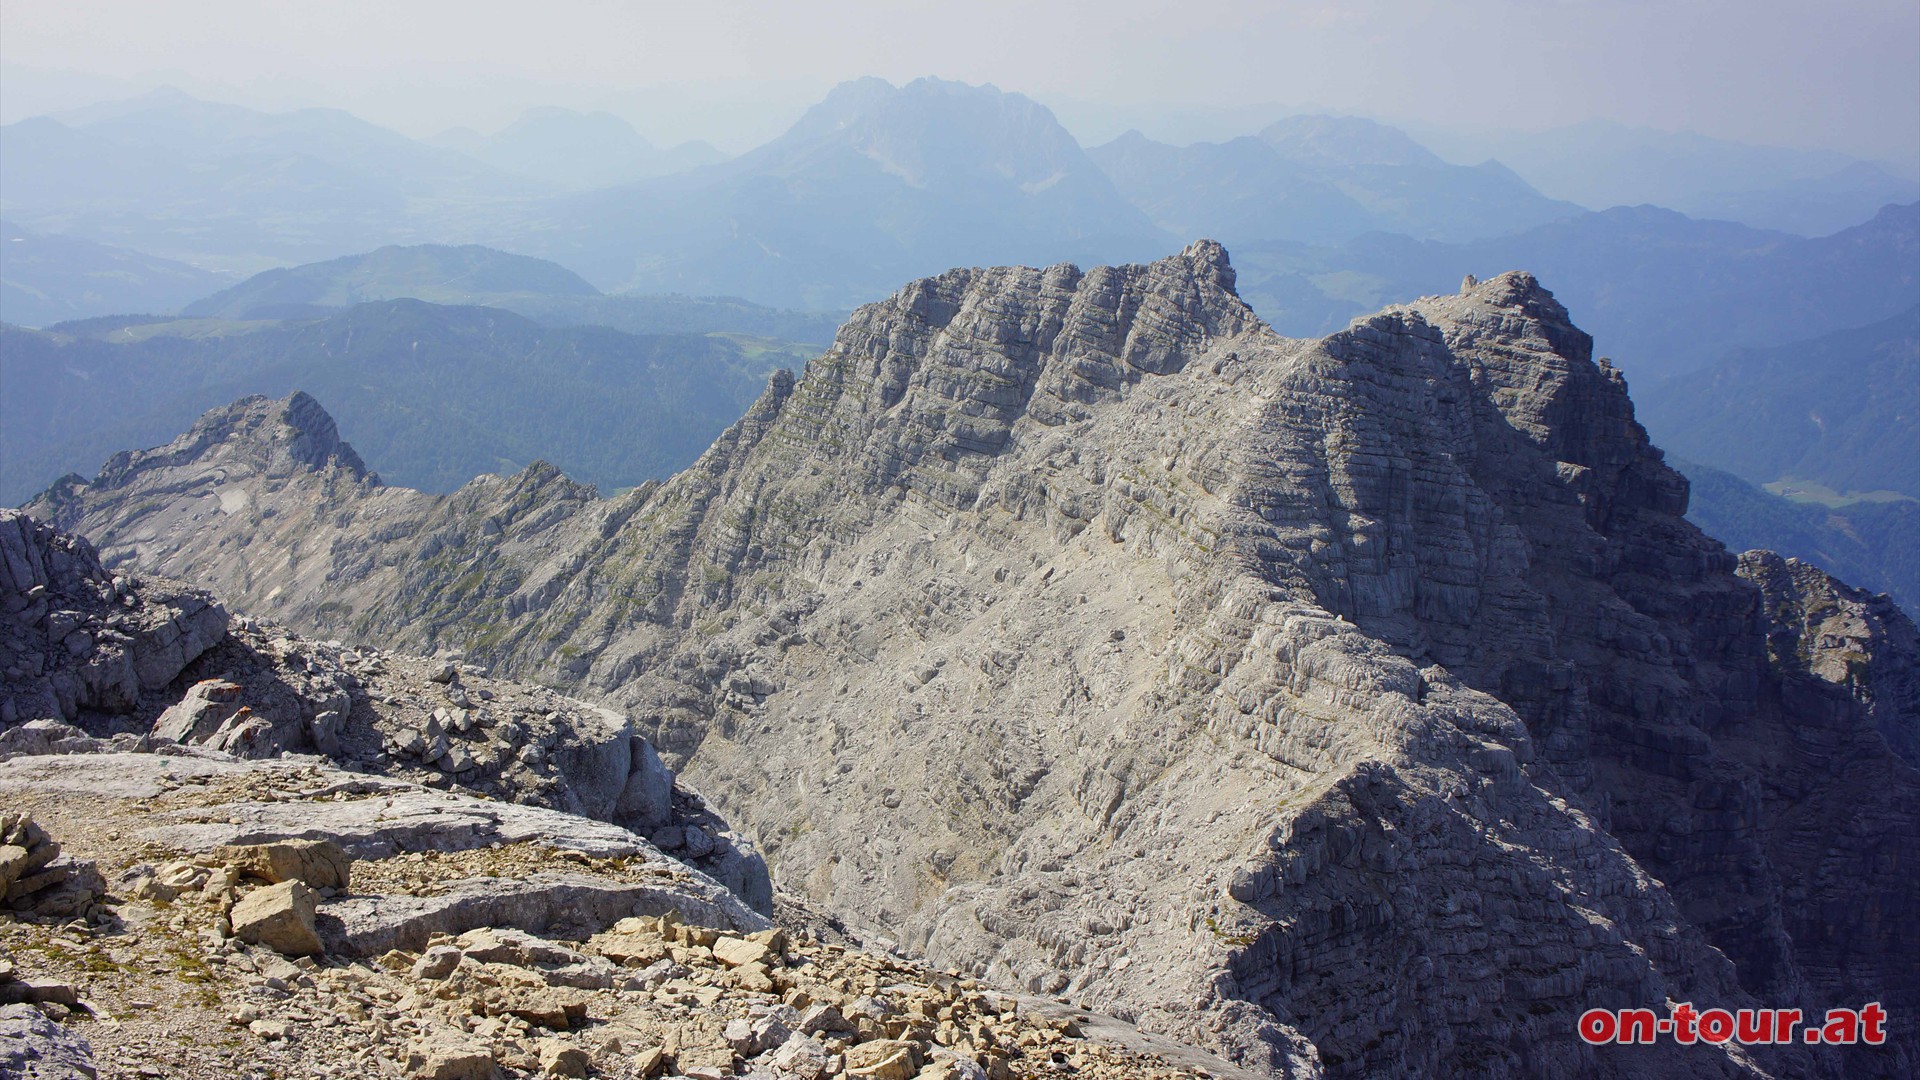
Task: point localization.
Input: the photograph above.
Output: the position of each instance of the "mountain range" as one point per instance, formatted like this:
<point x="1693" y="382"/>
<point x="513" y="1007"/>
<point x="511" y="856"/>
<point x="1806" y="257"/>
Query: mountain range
<point x="568" y="149"/>
<point x="231" y="188"/>
<point x="48" y="278"/>
<point x="1361" y="706"/>
<point x="873" y="184"/>
<point x="1664" y="293"/>
<point x="1733" y="413"/>
<point x="1602" y="164"/>
<point x="437" y="394"/>
<point x="1320" y="179"/>
<point x="432" y="272"/>
<point x="1312" y="658"/>
<point x="1841" y="411"/>
<point x="880" y="182"/>
<point x="1834" y="422"/>
<point x="473" y="275"/>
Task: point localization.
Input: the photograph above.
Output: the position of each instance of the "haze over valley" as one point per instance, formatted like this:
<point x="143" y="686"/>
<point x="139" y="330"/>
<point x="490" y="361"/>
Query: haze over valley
<point x="1328" y="217"/>
<point x="1246" y="542"/>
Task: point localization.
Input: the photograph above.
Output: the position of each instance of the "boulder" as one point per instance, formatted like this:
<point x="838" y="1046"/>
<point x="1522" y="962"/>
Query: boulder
<point x="13" y="863"/>
<point x="437" y="962"/>
<point x="448" y="1056"/>
<point x="556" y="1009"/>
<point x="46" y="737"/>
<point x="562" y="1059"/>
<point x="73" y="888"/>
<point x="35" y="878"/>
<point x="38" y="992"/>
<point x="883" y="1059"/>
<point x="735" y="952"/>
<point x="630" y="942"/>
<point x="824" y="1018"/>
<point x="803" y="1057"/>
<point x="505" y="945"/>
<point x="281" y="917"/>
<point x="208" y="705"/>
<point x="321" y="864"/>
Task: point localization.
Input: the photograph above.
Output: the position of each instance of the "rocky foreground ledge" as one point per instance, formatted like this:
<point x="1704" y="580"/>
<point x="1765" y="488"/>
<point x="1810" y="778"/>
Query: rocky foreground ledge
<point x="228" y="851"/>
<point x="145" y="662"/>
<point x="290" y="919"/>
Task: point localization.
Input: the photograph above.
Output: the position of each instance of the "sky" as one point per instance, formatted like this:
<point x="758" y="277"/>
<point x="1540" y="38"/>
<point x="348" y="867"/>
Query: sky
<point x="1841" y="76"/>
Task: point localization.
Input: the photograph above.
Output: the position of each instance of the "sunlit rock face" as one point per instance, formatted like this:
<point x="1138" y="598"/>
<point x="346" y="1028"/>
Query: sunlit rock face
<point x="1351" y="707"/>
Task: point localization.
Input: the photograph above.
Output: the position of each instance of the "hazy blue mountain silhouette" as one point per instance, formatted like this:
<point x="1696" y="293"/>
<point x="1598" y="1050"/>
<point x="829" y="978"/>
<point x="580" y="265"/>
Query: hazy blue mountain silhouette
<point x="1322" y="179"/>
<point x="431" y="395"/>
<point x="875" y="185"/>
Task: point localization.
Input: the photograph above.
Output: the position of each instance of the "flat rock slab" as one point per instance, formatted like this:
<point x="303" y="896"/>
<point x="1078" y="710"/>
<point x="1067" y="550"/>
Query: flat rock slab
<point x="387" y="819"/>
<point x="114" y="776"/>
<point x="380" y="818"/>
<point x="561" y="904"/>
<point x="376" y="818"/>
<point x="1117" y="1032"/>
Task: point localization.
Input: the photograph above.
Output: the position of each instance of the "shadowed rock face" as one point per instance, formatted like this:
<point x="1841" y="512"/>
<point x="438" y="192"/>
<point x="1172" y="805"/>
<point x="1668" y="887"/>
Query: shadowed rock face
<point x="1362" y="705"/>
<point x="1861" y="642"/>
<point x="76" y="637"/>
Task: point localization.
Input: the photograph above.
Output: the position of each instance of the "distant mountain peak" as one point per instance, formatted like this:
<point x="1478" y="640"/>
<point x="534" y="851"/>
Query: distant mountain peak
<point x="290" y="436"/>
<point x="1319" y="179"/>
<point x="873" y="100"/>
<point x="553" y="122"/>
<point x="1345" y="140"/>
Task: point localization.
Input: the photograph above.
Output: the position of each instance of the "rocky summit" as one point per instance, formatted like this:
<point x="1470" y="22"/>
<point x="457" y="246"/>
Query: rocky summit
<point x="1347" y="708"/>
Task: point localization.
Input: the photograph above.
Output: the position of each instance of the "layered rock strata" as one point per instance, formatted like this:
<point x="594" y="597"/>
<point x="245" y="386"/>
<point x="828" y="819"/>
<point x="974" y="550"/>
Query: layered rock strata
<point x="1354" y="707"/>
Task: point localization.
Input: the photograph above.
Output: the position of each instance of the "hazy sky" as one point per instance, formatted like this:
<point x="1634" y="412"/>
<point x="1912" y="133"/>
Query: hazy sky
<point x="1837" y="75"/>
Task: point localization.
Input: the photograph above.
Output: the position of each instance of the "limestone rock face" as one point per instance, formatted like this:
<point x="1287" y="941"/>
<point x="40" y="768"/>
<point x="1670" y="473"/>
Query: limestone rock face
<point x="1355" y="707"/>
<point x="464" y="953"/>
<point x="1861" y="642"/>
<point x="74" y="637"/>
<point x="168" y="669"/>
<point x="276" y="470"/>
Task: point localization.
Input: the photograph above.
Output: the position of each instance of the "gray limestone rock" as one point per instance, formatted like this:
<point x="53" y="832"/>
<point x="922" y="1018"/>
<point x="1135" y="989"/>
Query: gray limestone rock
<point x="33" y="1047"/>
<point x="36" y="878"/>
<point x="560" y="904"/>
<point x="382" y="819"/>
<point x="320" y="864"/>
<point x="1856" y="641"/>
<point x="1430" y="721"/>
<point x="437" y="962"/>
<point x="258" y="691"/>
<point x="72" y="642"/>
